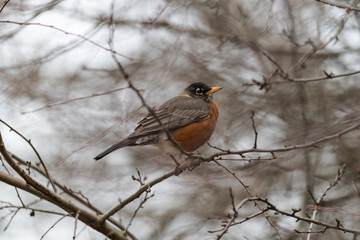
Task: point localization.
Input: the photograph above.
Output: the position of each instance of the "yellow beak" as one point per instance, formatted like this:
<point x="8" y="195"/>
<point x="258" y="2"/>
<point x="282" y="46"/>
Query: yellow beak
<point x="213" y="89"/>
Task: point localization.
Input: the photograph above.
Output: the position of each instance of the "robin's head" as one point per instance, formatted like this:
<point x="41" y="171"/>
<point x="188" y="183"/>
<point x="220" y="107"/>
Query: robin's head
<point x="201" y="90"/>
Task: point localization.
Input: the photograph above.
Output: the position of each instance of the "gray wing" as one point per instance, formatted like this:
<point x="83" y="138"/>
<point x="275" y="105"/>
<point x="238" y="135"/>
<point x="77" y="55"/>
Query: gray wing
<point x="176" y="112"/>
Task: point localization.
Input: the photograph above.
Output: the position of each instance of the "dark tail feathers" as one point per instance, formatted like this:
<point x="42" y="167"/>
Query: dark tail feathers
<point x="123" y="143"/>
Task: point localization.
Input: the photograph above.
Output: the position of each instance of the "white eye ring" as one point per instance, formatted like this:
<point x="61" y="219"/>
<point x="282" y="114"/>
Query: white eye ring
<point x="198" y="91"/>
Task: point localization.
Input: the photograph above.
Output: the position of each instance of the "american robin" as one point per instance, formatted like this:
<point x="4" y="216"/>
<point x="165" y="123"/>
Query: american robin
<point x="189" y="118"/>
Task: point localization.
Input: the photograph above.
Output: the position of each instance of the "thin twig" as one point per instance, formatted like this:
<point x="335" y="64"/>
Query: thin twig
<point x="333" y="209"/>
<point x="305" y="219"/>
<point x="267" y="217"/>
<point x="232" y="219"/>
<point x="75" y="225"/>
<point x="33" y="186"/>
<point x="81" y="199"/>
<point x="36" y="152"/>
<point x="73" y="100"/>
<point x="333" y="183"/>
<point x="4" y="4"/>
<point x="254" y="128"/>
<point x="52" y="226"/>
<point x="34" y="210"/>
<point x="325" y="44"/>
<point x="339" y="5"/>
<point x="12" y="217"/>
<point x="96" y="138"/>
<point x="147" y="186"/>
<point x="73" y="34"/>
<point x="141" y="204"/>
<point x="282" y="149"/>
<point x="328" y="76"/>
<point x="111" y="41"/>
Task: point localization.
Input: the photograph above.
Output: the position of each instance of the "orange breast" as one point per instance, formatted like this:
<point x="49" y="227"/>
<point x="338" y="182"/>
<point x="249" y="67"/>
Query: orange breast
<point x="194" y="135"/>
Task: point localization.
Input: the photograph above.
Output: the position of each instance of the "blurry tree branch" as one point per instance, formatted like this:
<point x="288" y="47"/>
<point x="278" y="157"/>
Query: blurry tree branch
<point x="311" y="144"/>
<point x="321" y="197"/>
<point x="35" y="151"/>
<point x="77" y="195"/>
<point x="272" y="207"/>
<point x="71" y="34"/>
<point x="268" y="81"/>
<point x="4" y="4"/>
<point x="231" y="216"/>
<point x="73" y="100"/>
<point x="36" y="188"/>
<point x="339" y="5"/>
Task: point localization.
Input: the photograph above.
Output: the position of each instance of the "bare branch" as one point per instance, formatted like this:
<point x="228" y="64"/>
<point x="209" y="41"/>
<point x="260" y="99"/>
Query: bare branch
<point x="75" y="225"/>
<point x="73" y="100"/>
<point x="111" y="42"/>
<point x="339" y="5"/>
<point x="321" y="197"/>
<point x="141" y="204"/>
<point x="72" y="34"/>
<point x="36" y="152"/>
<point x="283" y="149"/>
<point x="288" y="79"/>
<point x="38" y="189"/>
<point x="309" y="220"/>
<point x="78" y="196"/>
<point x="12" y="217"/>
<point x="52" y="226"/>
<point x="254" y="128"/>
<point x="267" y="217"/>
<point x="4" y="4"/>
<point x="232" y="218"/>
<point x="325" y="44"/>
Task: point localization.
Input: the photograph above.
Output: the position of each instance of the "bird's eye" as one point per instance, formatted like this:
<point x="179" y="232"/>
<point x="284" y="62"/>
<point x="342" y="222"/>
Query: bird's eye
<point x="198" y="91"/>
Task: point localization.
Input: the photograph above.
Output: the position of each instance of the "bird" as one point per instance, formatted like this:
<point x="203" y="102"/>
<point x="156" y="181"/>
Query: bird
<point x="189" y="118"/>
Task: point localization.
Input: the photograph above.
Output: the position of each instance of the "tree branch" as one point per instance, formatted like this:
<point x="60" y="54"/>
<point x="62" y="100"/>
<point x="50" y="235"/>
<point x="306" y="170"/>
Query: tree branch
<point x="72" y="34"/>
<point x="283" y="149"/>
<point x="37" y="189"/>
<point x="36" y="152"/>
<point x="339" y="5"/>
<point x="321" y="197"/>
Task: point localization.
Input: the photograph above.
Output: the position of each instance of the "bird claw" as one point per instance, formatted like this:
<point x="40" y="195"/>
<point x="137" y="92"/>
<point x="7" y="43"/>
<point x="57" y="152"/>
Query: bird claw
<point x="192" y="164"/>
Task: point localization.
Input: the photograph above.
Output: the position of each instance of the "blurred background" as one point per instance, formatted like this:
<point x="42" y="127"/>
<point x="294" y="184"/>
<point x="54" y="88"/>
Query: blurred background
<point x="61" y="88"/>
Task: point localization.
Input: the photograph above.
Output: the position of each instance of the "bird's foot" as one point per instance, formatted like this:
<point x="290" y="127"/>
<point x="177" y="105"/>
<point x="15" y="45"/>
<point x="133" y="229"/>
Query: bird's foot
<point x="193" y="163"/>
